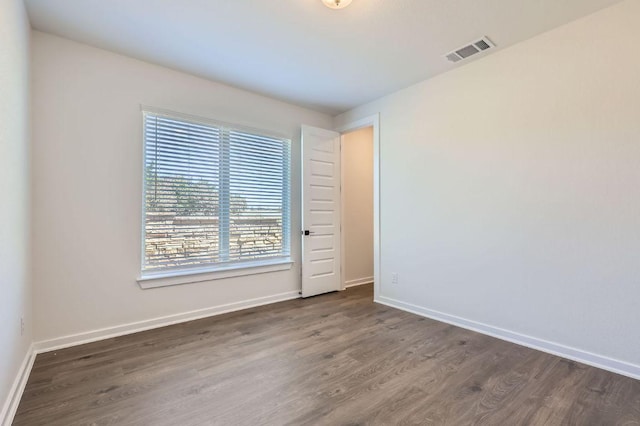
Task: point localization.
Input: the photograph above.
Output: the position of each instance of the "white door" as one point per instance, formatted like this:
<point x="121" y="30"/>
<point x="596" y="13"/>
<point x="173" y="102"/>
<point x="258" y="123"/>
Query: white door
<point x="320" y="211"/>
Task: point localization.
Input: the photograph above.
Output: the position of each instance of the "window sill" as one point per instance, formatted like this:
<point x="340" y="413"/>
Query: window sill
<point x="199" y="275"/>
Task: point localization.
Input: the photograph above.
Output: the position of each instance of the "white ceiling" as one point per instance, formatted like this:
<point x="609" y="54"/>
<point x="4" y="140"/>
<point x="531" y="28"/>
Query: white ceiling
<point x="299" y="50"/>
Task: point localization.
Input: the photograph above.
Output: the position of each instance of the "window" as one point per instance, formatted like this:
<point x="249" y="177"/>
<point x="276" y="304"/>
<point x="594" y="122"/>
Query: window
<point x="215" y="197"/>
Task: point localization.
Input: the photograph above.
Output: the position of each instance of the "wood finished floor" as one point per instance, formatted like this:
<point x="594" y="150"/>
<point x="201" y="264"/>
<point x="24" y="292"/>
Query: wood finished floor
<point x="337" y="359"/>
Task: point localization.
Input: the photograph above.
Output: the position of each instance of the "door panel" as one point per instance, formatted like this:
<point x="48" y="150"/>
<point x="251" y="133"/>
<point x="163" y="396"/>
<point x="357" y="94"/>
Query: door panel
<point x="320" y="211"/>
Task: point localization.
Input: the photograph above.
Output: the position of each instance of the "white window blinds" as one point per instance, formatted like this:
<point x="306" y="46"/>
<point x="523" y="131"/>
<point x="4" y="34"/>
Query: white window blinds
<point x="214" y="195"/>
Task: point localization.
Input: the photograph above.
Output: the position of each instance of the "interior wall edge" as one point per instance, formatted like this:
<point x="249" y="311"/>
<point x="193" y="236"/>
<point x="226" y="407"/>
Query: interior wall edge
<point x="16" y="311"/>
<point x="358" y="281"/>
<point x="10" y="406"/>
<point x="574" y="354"/>
<point x="144" y="325"/>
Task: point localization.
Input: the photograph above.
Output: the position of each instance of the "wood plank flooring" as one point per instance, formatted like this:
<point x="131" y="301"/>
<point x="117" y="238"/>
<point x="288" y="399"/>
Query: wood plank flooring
<point x="337" y="359"/>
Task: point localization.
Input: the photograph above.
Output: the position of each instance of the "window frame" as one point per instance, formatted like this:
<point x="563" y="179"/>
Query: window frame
<point x="218" y="270"/>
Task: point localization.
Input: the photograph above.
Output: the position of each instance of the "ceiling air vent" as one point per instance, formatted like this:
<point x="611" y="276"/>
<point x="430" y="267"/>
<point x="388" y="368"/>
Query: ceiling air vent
<point x="469" y="50"/>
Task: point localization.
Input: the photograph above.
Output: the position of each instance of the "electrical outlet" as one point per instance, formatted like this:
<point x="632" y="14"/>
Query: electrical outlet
<point x="394" y="278"/>
<point x="22" y="326"/>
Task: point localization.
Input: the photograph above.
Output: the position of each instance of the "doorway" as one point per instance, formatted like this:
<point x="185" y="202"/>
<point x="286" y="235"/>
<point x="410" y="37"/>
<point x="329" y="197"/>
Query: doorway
<point x="322" y="213"/>
<point x="357" y="207"/>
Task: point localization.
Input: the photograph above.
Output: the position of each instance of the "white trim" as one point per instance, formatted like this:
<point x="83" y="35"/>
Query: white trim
<point x="135" y="327"/>
<point x="372" y="121"/>
<point x="17" y="389"/>
<point x="168" y="278"/>
<point x="343" y="243"/>
<point x="594" y="360"/>
<point x="358" y="281"/>
<point x="176" y="277"/>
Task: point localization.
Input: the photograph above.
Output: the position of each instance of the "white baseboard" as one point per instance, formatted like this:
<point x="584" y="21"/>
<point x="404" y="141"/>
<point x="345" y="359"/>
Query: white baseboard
<point x="594" y="360"/>
<point x="358" y="281"/>
<point x="135" y="327"/>
<point x="17" y="389"/>
<point x="15" y="393"/>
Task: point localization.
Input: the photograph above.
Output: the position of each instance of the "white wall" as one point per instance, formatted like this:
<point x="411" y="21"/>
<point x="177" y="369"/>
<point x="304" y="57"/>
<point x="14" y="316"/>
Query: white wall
<point x="510" y="188"/>
<point x="15" y="292"/>
<point x="357" y="196"/>
<point x="87" y="185"/>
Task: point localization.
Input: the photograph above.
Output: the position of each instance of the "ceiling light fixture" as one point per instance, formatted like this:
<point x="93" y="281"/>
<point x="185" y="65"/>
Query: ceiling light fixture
<point x="336" y="4"/>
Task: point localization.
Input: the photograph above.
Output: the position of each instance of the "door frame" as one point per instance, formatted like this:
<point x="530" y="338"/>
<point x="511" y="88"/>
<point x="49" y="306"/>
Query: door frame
<point x="369" y="121"/>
